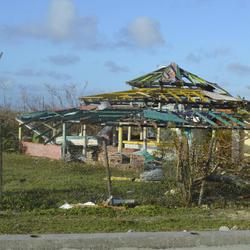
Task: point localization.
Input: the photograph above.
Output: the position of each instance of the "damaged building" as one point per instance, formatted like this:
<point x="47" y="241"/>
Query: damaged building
<point x="166" y="101"/>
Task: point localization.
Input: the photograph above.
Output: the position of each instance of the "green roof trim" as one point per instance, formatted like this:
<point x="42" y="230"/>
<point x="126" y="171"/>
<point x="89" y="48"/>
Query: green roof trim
<point x="230" y="117"/>
<point x="163" y="116"/>
<point x="219" y="118"/>
<point x="206" y="119"/>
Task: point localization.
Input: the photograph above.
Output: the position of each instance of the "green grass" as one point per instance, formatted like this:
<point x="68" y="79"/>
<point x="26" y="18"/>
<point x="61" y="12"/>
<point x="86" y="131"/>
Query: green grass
<point x="34" y="188"/>
<point x="31" y="183"/>
<point x="107" y="220"/>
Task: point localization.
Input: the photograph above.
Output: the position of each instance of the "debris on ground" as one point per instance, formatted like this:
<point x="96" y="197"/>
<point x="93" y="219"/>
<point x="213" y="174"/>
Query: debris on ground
<point x="234" y="228"/>
<point x="89" y="204"/>
<point x="78" y="205"/>
<point x="112" y="201"/>
<point x="172" y="191"/>
<point x="152" y="175"/>
<point x="66" y="206"/>
<point x="152" y="167"/>
<point x="224" y="229"/>
<point x="121" y="178"/>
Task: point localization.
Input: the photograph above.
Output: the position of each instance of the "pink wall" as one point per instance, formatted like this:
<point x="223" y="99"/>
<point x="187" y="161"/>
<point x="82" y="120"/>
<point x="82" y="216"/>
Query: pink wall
<point x="41" y="150"/>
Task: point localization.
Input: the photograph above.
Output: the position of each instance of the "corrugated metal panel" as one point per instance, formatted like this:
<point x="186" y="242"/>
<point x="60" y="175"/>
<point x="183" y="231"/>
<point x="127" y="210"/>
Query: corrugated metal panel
<point x="167" y="117"/>
<point x="219" y="97"/>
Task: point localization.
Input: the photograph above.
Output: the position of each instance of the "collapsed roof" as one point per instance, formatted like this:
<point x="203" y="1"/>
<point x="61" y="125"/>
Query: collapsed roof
<point x="205" y="105"/>
<point x="174" y="76"/>
<point x="169" y="84"/>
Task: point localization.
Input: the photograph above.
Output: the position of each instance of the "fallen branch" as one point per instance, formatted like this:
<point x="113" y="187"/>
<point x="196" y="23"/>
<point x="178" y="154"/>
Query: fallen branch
<point x="228" y="179"/>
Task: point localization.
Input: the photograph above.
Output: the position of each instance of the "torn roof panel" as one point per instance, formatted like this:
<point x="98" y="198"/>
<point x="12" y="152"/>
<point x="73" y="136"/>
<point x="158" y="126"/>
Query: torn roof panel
<point x="170" y="84"/>
<point x="143" y="93"/>
<point x="164" y="95"/>
<point x="219" y="97"/>
<point x="192" y="119"/>
<point x="172" y="75"/>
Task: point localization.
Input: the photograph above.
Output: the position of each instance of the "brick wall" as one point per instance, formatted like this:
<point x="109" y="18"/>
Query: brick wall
<point x="41" y="150"/>
<point x="126" y="160"/>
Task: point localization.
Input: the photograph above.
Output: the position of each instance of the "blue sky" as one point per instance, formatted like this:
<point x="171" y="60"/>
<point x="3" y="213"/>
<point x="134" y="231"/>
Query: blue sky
<point x="106" y="43"/>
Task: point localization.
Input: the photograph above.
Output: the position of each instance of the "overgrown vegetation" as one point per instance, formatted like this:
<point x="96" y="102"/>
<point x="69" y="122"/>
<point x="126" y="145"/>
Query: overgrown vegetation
<point x="34" y="188"/>
<point x="9" y="130"/>
<point x="196" y="162"/>
<point x="31" y="183"/>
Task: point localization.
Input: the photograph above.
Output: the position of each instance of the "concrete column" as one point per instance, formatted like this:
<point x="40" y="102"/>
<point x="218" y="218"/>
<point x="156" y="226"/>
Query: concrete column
<point x="158" y="135"/>
<point x="84" y="130"/>
<point x="159" y="103"/>
<point x="114" y="139"/>
<point x="145" y="130"/>
<point x="213" y="133"/>
<point x="235" y="146"/>
<point x="119" y="139"/>
<point x="84" y="134"/>
<point x="54" y="130"/>
<point x="20" y="132"/>
<point x="64" y="143"/>
<point x="246" y="144"/>
<point x="129" y="133"/>
<point x="141" y="135"/>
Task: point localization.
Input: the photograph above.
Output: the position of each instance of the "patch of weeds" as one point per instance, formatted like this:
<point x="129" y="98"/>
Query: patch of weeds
<point x="145" y="210"/>
<point x="92" y="211"/>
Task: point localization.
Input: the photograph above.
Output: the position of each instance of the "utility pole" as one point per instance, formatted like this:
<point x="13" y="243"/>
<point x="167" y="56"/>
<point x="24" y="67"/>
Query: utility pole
<point x="1" y="156"/>
<point x="1" y="162"/>
<point x="106" y="160"/>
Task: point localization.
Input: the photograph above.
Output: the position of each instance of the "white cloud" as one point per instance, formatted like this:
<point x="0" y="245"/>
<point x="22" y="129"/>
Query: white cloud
<point x="30" y="72"/>
<point x="114" y="67"/>
<point x="61" y="24"/>
<point x="215" y="53"/>
<point x="143" y="32"/>
<point x="193" y="58"/>
<point x="218" y="52"/>
<point x="61" y="18"/>
<point x="64" y="59"/>
<point x="239" y="68"/>
<point x="5" y="83"/>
